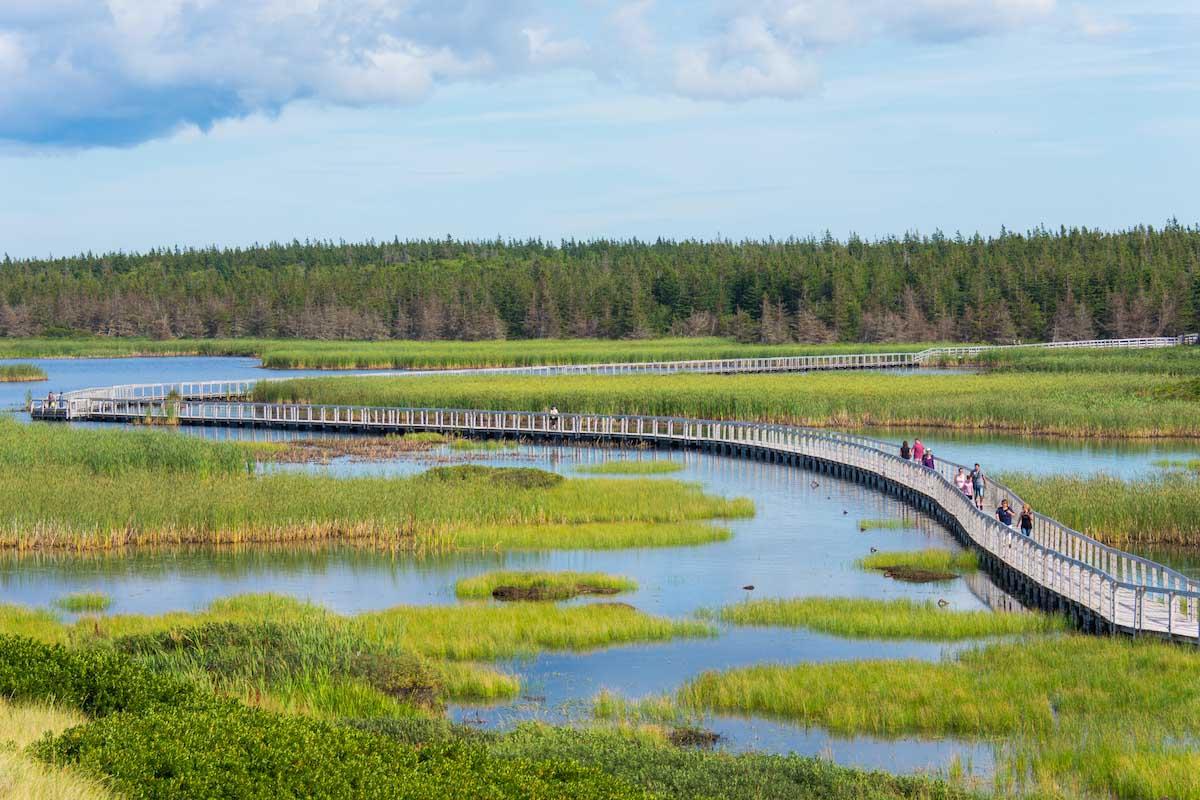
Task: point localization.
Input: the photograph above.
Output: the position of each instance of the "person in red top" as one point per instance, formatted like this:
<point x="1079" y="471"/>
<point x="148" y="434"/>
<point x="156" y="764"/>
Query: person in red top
<point x="918" y="450"/>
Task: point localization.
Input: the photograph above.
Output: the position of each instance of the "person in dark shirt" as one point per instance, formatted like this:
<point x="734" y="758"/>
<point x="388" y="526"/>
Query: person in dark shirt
<point x="927" y="459"/>
<point x="905" y="450"/>
<point x="1004" y="513"/>
<point x="1026" y="520"/>
<point x="978" y="486"/>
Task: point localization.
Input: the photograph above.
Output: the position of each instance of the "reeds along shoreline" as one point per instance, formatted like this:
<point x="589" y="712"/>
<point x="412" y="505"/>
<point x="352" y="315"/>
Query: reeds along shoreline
<point x="1119" y="405"/>
<point x="882" y="619"/>
<point x="1153" y="510"/>
<point x="401" y="354"/>
<point x="540" y="585"/>
<point x="21" y="373"/>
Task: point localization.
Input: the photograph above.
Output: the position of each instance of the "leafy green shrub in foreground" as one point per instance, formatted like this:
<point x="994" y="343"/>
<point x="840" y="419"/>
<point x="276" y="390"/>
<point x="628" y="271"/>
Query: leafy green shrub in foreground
<point x="94" y="681"/>
<point x="239" y="753"/>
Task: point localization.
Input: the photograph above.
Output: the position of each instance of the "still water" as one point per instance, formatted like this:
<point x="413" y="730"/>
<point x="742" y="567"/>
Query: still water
<point x="804" y="540"/>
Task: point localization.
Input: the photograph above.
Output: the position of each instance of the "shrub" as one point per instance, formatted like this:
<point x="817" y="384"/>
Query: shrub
<point x="95" y="681"/>
<point x="239" y="753"/>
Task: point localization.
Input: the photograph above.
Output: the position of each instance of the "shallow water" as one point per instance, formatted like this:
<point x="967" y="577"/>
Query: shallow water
<point x="803" y="541"/>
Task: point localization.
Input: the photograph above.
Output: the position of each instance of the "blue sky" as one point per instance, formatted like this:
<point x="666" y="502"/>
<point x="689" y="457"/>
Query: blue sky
<point x="128" y="124"/>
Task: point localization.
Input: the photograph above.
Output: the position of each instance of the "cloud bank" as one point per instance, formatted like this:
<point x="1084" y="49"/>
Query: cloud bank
<point x="119" y="72"/>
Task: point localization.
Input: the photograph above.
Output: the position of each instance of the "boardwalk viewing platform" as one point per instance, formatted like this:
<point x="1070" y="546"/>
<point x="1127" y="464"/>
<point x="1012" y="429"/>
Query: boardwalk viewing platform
<point x="1102" y="588"/>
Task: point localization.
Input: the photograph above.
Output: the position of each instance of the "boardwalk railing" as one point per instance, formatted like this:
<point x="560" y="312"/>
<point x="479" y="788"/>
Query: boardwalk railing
<point x="1119" y="589"/>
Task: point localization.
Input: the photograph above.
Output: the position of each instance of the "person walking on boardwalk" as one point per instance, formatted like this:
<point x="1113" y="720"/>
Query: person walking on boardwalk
<point x="905" y="450"/>
<point x="1004" y="513"/>
<point x="963" y="481"/>
<point x="918" y="451"/>
<point x="927" y="460"/>
<point x="1026" y="519"/>
<point x="978" y="486"/>
<point x="554" y="417"/>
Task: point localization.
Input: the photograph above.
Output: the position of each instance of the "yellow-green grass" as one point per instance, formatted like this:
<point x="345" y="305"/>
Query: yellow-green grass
<point x="631" y="467"/>
<point x="1182" y="361"/>
<point x="114" y="452"/>
<point x="23" y="778"/>
<point x="1085" y="404"/>
<point x="542" y="585"/>
<point x="883" y="619"/>
<point x="402" y="354"/>
<point x="1154" y="510"/>
<point x="881" y="524"/>
<point x="21" y="373"/>
<point x="1188" y="464"/>
<point x="437" y="510"/>
<point x="932" y="560"/>
<point x="36" y="623"/>
<point x="1072" y="715"/>
<point x="83" y="602"/>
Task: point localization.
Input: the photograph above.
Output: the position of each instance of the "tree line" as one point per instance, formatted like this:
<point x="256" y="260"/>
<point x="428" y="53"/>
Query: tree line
<point x="1041" y="285"/>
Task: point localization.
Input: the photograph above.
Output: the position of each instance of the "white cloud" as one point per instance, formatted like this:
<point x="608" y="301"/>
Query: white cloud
<point x="749" y="61"/>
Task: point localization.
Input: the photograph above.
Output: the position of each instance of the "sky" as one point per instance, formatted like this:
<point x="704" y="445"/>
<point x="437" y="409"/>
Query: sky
<point x="131" y="124"/>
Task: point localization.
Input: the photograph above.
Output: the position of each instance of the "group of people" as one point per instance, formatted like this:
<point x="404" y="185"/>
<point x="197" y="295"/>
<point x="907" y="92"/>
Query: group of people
<point x="972" y="484"/>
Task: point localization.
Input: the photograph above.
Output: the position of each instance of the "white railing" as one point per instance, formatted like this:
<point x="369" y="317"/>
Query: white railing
<point x="1120" y="588"/>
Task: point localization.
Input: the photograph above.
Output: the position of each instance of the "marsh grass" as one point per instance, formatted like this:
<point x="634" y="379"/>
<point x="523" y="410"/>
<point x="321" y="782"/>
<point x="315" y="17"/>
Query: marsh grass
<point x="1079" y="715"/>
<point x="655" y="467"/>
<point x="921" y="565"/>
<point x="1116" y="404"/>
<point x="1188" y="464"/>
<point x="23" y="778"/>
<point x="881" y="524"/>
<point x="21" y="373"/>
<point x="83" y="602"/>
<point x="1154" y="510"/>
<point x="540" y="585"/>
<point x="148" y="487"/>
<point x="883" y="619"/>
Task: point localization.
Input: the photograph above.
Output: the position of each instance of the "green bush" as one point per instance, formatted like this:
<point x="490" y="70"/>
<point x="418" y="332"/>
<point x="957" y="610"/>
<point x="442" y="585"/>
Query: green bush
<point x="94" y="680"/>
<point x="237" y="753"/>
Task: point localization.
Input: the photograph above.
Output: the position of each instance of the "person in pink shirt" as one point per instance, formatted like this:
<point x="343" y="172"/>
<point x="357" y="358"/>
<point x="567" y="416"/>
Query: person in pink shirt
<point x="918" y="450"/>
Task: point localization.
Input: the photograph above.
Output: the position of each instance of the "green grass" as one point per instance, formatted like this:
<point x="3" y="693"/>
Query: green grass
<point x="1117" y="404"/>
<point x="655" y="467"/>
<point x="1188" y="464"/>
<point x="83" y="602"/>
<point x="1156" y="510"/>
<point x="302" y="354"/>
<point x="882" y="524"/>
<point x="19" y="373"/>
<point x="542" y="585"/>
<point x="882" y="619"/>
<point x="959" y="561"/>
<point x="1078" y="715"/>
<point x="152" y="487"/>
<point x="1180" y="361"/>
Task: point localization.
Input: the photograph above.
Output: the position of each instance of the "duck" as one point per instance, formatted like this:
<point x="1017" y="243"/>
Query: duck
<point x="943" y="602"/>
<point x="814" y="484"/>
<point x="874" y="549"/>
<point x="749" y="587"/>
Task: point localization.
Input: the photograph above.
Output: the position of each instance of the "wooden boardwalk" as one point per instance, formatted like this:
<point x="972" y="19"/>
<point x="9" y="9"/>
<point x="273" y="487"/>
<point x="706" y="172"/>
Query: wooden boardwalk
<point x="1102" y="588"/>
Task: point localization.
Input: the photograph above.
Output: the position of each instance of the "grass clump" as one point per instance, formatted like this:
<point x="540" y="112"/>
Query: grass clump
<point x="883" y="619"/>
<point x="1116" y="404"/>
<point x="506" y="585"/>
<point x="21" y="373"/>
<point x="83" y="602"/>
<point x="1154" y="510"/>
<point x="881" y="524"/>
<point x="1186" y="464"/>
<point x="119" y="498"/>
<point x="920" y="566"/>
<point x="631" y="468"/>
<point x="1080" y="716"/>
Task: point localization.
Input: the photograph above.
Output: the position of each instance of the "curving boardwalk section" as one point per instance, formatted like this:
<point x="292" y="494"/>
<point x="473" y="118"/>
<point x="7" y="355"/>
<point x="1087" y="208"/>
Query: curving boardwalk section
<point x="1101" y="587"/>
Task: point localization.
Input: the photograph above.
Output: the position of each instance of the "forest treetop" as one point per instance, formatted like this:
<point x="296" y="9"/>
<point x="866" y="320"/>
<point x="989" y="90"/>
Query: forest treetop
<point x="1065" y="284"/>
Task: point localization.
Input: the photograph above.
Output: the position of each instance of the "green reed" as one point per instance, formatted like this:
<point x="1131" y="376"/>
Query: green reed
<point x="20" y="373"/>
<point x="1152" y="510"/>
<point x="932" y="560"/>
<point x="883" y="619"/>
<point x="543" y="585"/>
<point x="82" y="602"/>
<point x="1075" y="404"/>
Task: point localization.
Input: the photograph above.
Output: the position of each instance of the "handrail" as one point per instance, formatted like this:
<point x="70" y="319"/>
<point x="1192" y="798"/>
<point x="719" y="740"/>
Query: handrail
<point x="1055" y="545"/>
